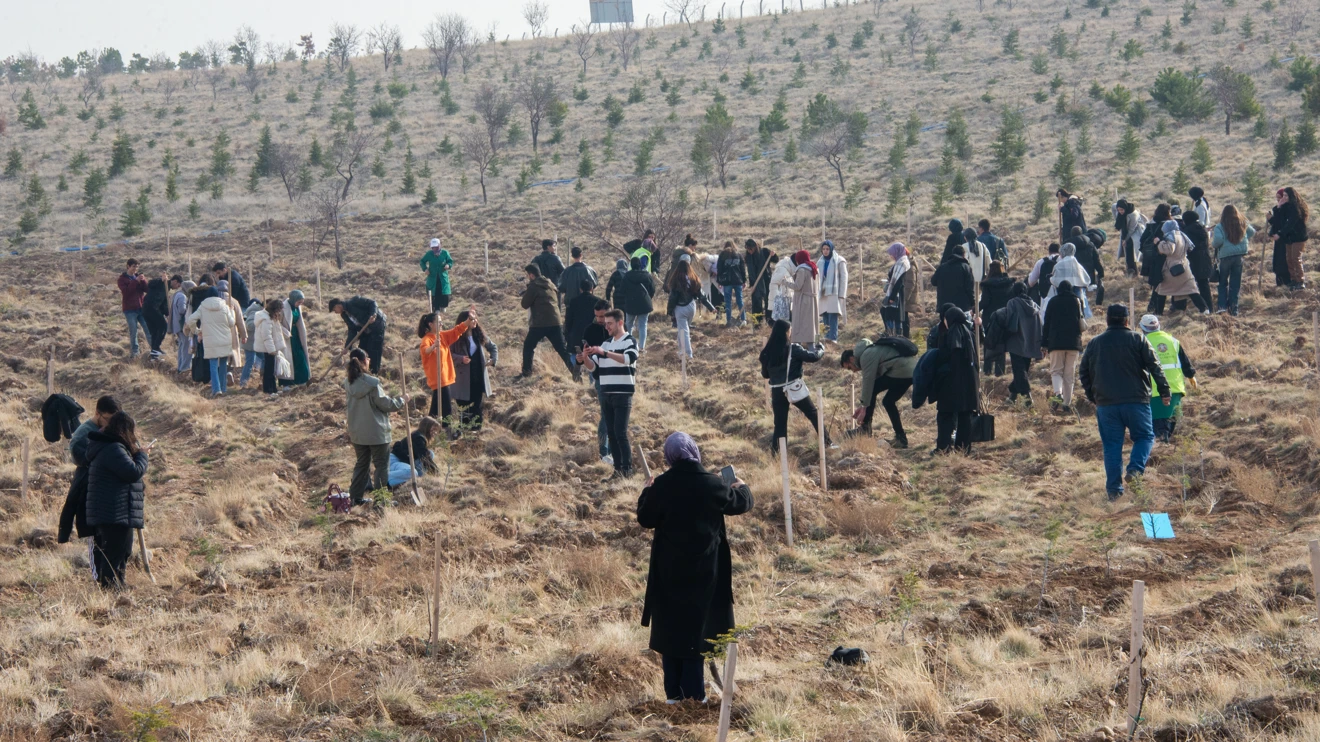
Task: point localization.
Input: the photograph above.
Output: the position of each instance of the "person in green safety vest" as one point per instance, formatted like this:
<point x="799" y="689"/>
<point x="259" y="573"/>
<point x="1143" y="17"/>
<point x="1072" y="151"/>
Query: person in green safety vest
<point x="436" y="262"/>
<point x="645" y="249"/>
<point x="1177" y="369"/>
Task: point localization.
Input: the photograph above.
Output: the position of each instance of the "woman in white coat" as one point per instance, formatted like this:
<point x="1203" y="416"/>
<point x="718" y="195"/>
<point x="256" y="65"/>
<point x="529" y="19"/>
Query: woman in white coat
<point x="781" y="289"/>
<point x="832" y="288"/>
<point x="1070" y="270"/>
<point x="272" y="341"/>
<point x="215" y="322"/>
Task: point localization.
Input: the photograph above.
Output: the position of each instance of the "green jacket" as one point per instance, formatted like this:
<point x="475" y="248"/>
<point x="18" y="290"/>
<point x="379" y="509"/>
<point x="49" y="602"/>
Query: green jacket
<point x="881" y="360"/>
<point x="368" y="410"/>
<point x="437" y="267"/>
<point x="542" y="298"/>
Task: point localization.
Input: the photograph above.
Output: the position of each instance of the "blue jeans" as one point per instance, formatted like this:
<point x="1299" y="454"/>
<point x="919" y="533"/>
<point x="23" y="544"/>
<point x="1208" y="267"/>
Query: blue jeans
<point x="831" y="325"/>
<point x="252" y="361"/>
<point x="135" y="318"/>
<point x="219" y="374"/>
<point x="602" y="433"/>
<point x="1112" y="421"/>
<point x="1230" y="282"/>
<point x="636" y="325"/>
<point x="731" y="293"/>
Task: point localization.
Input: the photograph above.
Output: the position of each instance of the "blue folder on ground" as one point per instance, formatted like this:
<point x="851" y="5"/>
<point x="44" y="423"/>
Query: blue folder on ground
<point x="1157" y="525"/>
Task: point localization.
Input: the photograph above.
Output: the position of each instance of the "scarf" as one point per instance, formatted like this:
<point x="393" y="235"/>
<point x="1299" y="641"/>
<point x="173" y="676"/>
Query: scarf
<point x="802" y="257"/>
<point x="680" y="447"/>
<point x="901" y="266"/>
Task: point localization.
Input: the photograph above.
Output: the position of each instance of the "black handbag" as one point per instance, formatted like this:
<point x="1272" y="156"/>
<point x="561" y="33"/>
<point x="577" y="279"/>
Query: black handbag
<point x="1177" y="269"/>
<point x="983" y="427"/>
<point x="1214" y="274"/>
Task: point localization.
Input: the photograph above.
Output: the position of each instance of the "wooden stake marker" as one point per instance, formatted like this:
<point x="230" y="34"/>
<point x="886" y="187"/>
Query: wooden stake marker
<point x="487" y="250"/>
<point x="853" y="407"/>
<point x="435" y="598"/>
<point x="407" y="431"/>
<point x="145" y="555"/>
<point x="820" y="425"/>
<point x="726" y="698"/>
<point x="788" y="496"/>
<point x="50" y="371"/>
<point x="645" y="466"/>
<point x="1132" y="301"/>
<point x="27" y="460"/>
<point x="1135" y="683"/>
<point x="1315" y="572"/>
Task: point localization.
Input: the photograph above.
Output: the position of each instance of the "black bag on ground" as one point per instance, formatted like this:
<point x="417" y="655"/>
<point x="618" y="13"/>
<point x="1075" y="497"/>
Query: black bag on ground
<point x="983" y="427"/>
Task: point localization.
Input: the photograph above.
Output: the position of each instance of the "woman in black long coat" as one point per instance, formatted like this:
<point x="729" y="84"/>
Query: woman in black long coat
<point x="156" y="311"/>
<point x="474" y="356"/>
<point x="689" y="588"/>
<point x="957" y="383"/>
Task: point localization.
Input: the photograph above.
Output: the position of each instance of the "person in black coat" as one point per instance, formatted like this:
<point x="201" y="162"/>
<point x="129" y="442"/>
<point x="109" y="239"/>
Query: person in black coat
<point x="635" y="297"/>
<point x="689" y="586"/>
<point x="1198" y="258"/>
<point x="953" y="281"/>
<point x="1088" y="255"/>
<point x="1061" y="339"/>
<point x="238" y="289"/>
<point x="74" y="513"/>
<point x="156" y="311"/>
<point x="116" y="465"/>
<point x="956" y="387"/>
<point x="579" y="314"/>
<point x="781" y="365"/>
<point x="996" y="290"/>
<point x="1287" y="225"/>
<point x="364" y="321"/>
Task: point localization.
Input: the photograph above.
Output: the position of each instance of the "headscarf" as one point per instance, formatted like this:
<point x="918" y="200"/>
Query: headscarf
<point x="621" y="265"/>
<point x="1068" y="250"/>
<point x="802" y="257"/>
<point x="897" y="250"/>
<point x="830" y="243"/>
<point x="295" y="296"/>
<point x="958" y="334"/>
<point x="955" y="227"/>
<point x="902" y="264"/>
<point x="680" y="447"/>
<point x="188" y="286"/>
<point x="1170" y="230"/>
<point x="684" y="258"/>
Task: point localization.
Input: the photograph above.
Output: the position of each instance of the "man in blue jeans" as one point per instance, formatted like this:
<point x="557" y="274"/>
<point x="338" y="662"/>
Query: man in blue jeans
<point x="1117" y="368"/>
<point x="595" y="335"/>
<point x="133" y="289"/>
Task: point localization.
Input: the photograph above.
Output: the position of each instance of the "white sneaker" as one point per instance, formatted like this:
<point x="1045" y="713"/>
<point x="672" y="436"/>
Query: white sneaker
<point x="607" y="459"/>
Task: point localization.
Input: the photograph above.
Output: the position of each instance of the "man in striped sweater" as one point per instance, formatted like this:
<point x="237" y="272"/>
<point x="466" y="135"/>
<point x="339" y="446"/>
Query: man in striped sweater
<point x="615" y="365"/>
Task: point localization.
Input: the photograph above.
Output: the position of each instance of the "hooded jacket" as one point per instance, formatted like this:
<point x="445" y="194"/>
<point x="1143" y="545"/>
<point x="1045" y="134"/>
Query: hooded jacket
<point x="216" y="322"/>
<point x="570" y="282"/>
<point x="543" y="299"/>
<point x="1089" y="257"/>
<point x="620" y="268"/>
<point x="368" y="410"/>
<point x="954" y="284"/>
<point x="270" y="335"/>
<point x="781" y="281"/>
<point x="636" y="292"/>
<point x="115" y="490"/>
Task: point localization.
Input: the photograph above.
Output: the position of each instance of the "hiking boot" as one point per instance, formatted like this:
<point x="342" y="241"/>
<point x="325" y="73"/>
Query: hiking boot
<point x="898" y="443"/>
<point x="1132" y="477"/>
<point x="1113" y="496"/>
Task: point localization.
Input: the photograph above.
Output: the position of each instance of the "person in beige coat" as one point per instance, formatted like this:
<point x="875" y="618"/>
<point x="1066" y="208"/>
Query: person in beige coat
<point x="214" y="320"/>
<point x="1178" y="280"/>
<point x="806" y="313"/>
<point x="272" y="341"/>
<point x="238" y="335"/>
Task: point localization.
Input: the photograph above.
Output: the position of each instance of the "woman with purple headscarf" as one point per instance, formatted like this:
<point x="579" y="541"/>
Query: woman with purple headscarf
<point x="901" y="292"/>
<point x="689" y="588"/>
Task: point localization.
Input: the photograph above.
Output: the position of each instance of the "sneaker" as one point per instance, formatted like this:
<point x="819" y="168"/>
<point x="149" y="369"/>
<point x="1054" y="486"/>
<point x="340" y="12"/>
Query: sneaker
<point x="833" y="446"/>
<point x="607" y="459"/>
<point x="1206" y="312"/>
<point x="1221" y="311"/>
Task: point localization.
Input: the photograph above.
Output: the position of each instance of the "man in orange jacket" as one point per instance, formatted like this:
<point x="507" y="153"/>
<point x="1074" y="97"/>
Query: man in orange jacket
<point x="435" y="353"/>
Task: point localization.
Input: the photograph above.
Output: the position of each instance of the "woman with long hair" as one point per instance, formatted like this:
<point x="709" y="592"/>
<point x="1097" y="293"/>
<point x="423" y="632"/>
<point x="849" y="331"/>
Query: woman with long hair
<point x="471" y="366"/>
<point x="1231" y="243"/>
<point x="685" y="292"/>
<point x="424" y="461"/>
<point x="115" y="494"/>
<point x="438" y="361"/>
<point x="1288" y="228"/>
<point x="368" y="411"/>
<point x="271" y="343"/>
<point x="781" y="365"/>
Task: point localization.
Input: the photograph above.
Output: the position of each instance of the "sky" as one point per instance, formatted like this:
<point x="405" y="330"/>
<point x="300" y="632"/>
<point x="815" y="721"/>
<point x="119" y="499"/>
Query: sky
<point x="65" y="27"/>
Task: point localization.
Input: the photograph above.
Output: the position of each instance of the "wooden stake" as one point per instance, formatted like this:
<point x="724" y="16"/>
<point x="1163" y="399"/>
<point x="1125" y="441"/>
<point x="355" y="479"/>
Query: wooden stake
<point x="270" y="249"/>
<point x="726" y="698"/>
<point x="1132" y="301"/>
<point x="435" y="593"/>
<point x="788" y="497"/>
<point x="487" y="249"/>
<point x="190" y="273"/>
<point x="27" y="460"/>
<point x="145" y="555"/>
<point x="1315" y="336"/>
<point x="50" y="371"/>
<point x="540" y="223"/>
<point x="853" y="406"/>
<point x="1260" y="288"/>
<point x="646" y="466"/>
<point x="318" y="287"/>
<point x="1315" y="572"/>
<point x="714" y="224"/>
<point x="407" y="431"/>
<point x="820" y="424"/>
<point x="1135" y="684"/>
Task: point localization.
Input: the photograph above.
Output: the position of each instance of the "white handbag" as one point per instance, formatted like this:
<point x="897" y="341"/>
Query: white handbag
<point x="283" y="370"/>
<point x="797" y="390"/>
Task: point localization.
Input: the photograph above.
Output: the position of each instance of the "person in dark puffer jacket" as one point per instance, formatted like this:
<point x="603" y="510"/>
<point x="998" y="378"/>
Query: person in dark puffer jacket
<point x="116" y="465"/>
<point x="636" y="298"/>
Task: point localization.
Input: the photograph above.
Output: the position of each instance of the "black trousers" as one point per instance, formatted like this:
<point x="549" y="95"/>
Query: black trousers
<point x="945" y="423"/>
<point x="156" y="326"/>
<point x="1099" y="291"/>
<point x="1020" y="386"/>
<point x="779" y="403"/>
<point x="441" y="406"/>
<point x="369" y="457"/>
<point x="615" y="410"/>
<point x="1156" y="304"/>
<point x="553" y="333"/>
<point x="994" y="362"/>
<point x="1129" y="259"/>
<point x="894" y="390"/>
<point x="439" y="301"/>
<point x="469" y="412"/>
<point x="114" y="545"/>
<point x="760" y="313"/>
<point x="373" y="345"/>
<point x="268" y="382"/>
<point x="684" y="678"/>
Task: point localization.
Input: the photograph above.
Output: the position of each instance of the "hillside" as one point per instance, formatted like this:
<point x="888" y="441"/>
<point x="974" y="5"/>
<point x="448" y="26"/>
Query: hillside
<point x="1064" y="70"/>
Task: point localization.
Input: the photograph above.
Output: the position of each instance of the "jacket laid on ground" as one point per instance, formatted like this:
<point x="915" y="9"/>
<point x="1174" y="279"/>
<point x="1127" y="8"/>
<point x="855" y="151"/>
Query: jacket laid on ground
<point x="1023" y="326"/>
<point x="484" y="358"/>
<point x="1117" y="368"/>
<point x="879" y="361"/>
<point x="774" y="369"/>
<point x="215" y="321"/>
<point x="620" y="269"/>
<point x="578" y="316"/>
<point x="430" y="350"/>
<point x="368" y="410"/>
<point x="59" y="417"/>
<point x="437" y="267"/>
<point x="995" y="293"/>
<point x="1225" y="249"/>
<point x="132" y="290"/>
<point x="806" y="313"/>
<point x="1286" y="224"/>
<point x="550" y="264"/>
<point x="1175" y="253"/>
<point x="998" y="250"/>
<point x="542" y="298"/>
<point x="570" y="282"/>
<point x="74" y="513"/>
<point x="757" y="261"/>
<point x="115" y="490"/>
<point x="731" y="269"/>
<point x="358" y="311"/>
<point x="954" y="284"/>
<point x="636" y="292"/>
<point x="689" y="585"/>
<point x="1063" y="328"/>
<point x="833" y="286"/>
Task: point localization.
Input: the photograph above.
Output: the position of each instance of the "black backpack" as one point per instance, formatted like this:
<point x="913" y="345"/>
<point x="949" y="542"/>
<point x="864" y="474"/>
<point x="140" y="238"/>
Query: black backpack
<point x="906" y="348"/>
<point x="1072" y="212"/>
<point x="1097" y="236"/>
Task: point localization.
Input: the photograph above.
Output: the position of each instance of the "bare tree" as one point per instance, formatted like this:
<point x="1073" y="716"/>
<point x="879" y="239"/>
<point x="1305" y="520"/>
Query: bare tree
<point x="655" y="202"/>
<point x="1294" y="14"/>
<point x="445" y="37"/>
<point x="686" y="10"/>
<point x="832" y="143"/>
<point x="536" y="94"/>
<point x="214" y="51"/>
<point x="246" y="47"/>
<point x="626" y="38"/>
<point x="536" y="13"/>
<point x="346" y="153"/>
<point x="326" y="208"/>
<point x="389" y="41"/>
<point x="913" y="26"/>
<point x="584" y="42"/>
<point x="477" y="150"/>
<point x="250" y="80"/>
<point x="215" y="77"/>
<point x="169" y="85"/>
<point x="345" y="38"/>
<point x="286" y="161"/>
<point x="93" y="86"/>
<point x="467" y="50"/>
<point x="493" y="107"/>
<point x="273" y="52"/>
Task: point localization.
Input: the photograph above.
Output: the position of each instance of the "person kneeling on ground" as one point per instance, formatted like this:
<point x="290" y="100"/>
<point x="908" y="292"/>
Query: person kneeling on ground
<point x="886" y="366"/>
<point x="423" y="460"/>
<point x="689" y="586"/>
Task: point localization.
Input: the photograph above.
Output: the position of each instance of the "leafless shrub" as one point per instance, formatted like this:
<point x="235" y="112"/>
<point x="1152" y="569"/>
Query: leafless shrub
<point x="389" y="41"/>
<point x="346" y="153"/>
<point x="625" y="39"/>
<point x="168" y="86"/>
<point x="285" y="161"/>
<point x="536" y="13"/>
<point x="325" y="208"/>
<point x="479" y="150"/>
<point x="584" y="42"/>
<point x="862" y="519"/>
<point x="536" y="93"/>
<point x="345" y="38"/>
<point x="493" y="107"/>
<point x="655" y="202"/>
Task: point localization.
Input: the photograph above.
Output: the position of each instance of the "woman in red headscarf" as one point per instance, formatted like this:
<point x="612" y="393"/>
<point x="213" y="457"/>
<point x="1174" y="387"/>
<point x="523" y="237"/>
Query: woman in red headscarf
<point x="806" y="317"/>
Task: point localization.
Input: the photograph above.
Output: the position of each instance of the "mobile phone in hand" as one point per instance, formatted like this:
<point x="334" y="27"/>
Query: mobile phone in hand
<point x="728" y="475"/>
